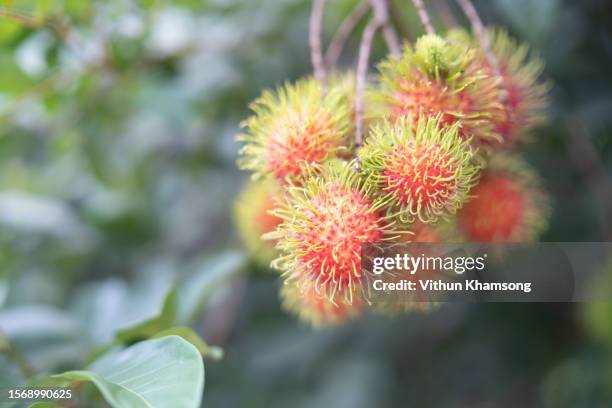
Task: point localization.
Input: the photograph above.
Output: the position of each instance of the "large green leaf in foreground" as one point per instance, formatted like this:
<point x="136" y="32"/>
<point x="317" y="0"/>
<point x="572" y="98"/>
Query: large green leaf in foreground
<point x="159" y="373"/>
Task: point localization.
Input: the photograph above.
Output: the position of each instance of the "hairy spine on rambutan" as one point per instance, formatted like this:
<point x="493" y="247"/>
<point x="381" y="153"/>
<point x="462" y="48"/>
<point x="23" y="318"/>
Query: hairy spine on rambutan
<point x="316" y="310"/>
<point x="325" y="222"/>
<point x="525" y="95"/>
<point x="509" y="204"/>
<point x="441" y="78"/>
<point x="294" y="127"/>
<point x="253" y="218"/>
<point x="422" y="170"/>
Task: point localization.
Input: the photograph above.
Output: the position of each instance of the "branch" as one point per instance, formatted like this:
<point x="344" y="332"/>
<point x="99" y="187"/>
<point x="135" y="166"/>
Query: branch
<point x="391" y="38"/>
<point x="344" y="32"/>
<point x="381" y="16"/>
<point x="362" y="70"/>
<point x="472" y="15"/>
<point x="424" y="16"/>
<point x="379" y="20"/>
<point x="316" y="51"/>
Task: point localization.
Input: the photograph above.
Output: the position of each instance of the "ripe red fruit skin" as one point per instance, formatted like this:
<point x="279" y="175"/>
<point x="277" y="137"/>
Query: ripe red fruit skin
<point x="496" y="213"/>
<point x="508" y="204"/>
<point x="441" y="78"/>
<point x="300" y="140"/>
<point x="432" y="164"/>
<point x="297" y="126"/>
<point x="526" y="95"/>
<point x="253" y="218"/>
<point x="424" y="170"/>
<point x="325" y="222"/>
<point x="315" y="309"/>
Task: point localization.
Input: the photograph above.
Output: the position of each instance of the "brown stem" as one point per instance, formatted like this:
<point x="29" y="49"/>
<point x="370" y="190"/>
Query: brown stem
<point x="470" y="12"/>
<point x="379" y="20"/>
<point x="424" y="16"/>
<point x="344" y="32"/>
<point x="362" y="70"/>
<point x="391" y="38"/>
<point x="381" y="14"/>
<point x="316" y="50"/>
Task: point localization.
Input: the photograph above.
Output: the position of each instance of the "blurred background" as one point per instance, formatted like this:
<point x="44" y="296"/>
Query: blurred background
<point x="117" y="178"/>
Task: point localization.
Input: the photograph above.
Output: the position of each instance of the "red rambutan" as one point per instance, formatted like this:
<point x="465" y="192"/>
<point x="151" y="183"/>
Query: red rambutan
<point x="297" y="126"/>
<point x="425" y="171"/>
<point x="525" y="96"/>
<point x="441" y="78"/>
<point x="253" y="218"/>
<point x="508" y="204"/>
<point x="325" y="222"/>
<point x="317" y="310"/>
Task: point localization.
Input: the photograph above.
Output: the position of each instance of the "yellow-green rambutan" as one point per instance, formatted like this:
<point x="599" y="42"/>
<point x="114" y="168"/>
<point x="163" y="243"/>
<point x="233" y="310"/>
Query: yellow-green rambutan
<point x="325" y="222"/>
<point x="441" y="78"/>
<point x="296" y="126"/>
<point x="315" y="309"/>
<point x="423" y="170"/>
<point x="253" y="218"/>
<point x="509" y="204"/>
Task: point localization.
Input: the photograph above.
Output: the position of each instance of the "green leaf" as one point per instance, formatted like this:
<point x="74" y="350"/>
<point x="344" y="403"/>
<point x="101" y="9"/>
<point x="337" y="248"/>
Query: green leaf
<point x="150" y="327"/>
<point x="212" y="352"/>
<point x="159" y="373"/>
<point x="215" y="272"/>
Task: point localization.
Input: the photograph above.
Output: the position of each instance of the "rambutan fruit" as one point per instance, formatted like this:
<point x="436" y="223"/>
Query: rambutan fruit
<point x="253" y="218"/>
<point x="325" y="222"/>
<point x="441" y="78"/>
<point x="525" y="95"/>
<point x="423" y="170"/>
<point x="425" y="233"/>
<point x="508" y="205"/>
<point x="294" y="127"/>
<point x="316" y="310"/>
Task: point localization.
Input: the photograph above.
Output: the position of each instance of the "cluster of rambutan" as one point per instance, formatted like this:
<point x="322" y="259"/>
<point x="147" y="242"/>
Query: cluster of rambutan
<point x="438" y="164"/>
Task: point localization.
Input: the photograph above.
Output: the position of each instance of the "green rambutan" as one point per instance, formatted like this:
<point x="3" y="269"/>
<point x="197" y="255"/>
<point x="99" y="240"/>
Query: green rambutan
<point x="316" y="310"/>
<point x="325" y="222"/>
<point x="508" y="205"/>
<point x="294" y="127"/>
<point x="441" y="78"/>
<point x="253" y="218"/>
<point x="424" y="171"/>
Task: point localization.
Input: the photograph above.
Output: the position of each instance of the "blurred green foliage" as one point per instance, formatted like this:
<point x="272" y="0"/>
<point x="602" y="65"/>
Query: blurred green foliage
<point x="117" y="174"/>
